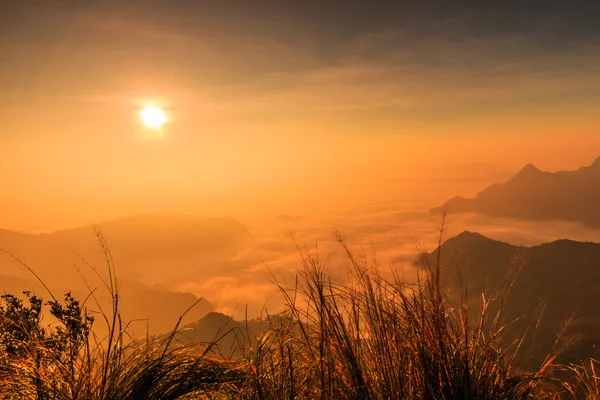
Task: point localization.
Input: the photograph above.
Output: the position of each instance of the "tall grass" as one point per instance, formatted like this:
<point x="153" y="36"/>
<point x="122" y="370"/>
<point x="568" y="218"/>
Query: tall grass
<point x="586" y="382"/>
<point x="372" y="337"/>
<point x="376" y="338"/>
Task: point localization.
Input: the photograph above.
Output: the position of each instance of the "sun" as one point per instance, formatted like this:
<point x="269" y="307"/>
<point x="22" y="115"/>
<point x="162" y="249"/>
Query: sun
<point x="153" y="117"/>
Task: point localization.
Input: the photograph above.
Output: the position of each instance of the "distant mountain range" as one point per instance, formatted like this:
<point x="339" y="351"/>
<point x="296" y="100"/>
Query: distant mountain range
<point x="564" y="273"/>
<point x="160" y="248"/>
<point x="152" y="254"/>
<point x="154" y="309"/>
<point x="537" y="195"/>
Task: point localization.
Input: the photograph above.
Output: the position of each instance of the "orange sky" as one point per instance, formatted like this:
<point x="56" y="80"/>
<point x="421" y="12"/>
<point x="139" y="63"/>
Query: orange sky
<point x="273" y="109"/>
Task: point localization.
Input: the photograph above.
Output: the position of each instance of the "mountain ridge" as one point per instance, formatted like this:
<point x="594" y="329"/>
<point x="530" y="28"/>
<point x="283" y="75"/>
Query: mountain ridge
<point x="532" y="194"/>
<point x="564" y="273"/>
<point x="151" y="252"/>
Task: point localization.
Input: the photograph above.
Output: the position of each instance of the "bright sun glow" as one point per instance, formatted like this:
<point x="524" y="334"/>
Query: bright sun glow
<point x="153" y="117"/>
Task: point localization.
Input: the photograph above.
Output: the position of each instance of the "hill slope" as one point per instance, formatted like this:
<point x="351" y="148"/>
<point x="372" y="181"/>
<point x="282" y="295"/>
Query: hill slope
<point x="564" y="273"/>
<point x="156" y="249"/>
<point x="152" y="255"/>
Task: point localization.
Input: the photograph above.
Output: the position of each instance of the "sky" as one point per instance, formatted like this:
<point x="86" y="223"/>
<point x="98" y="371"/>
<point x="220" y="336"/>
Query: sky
<point x="278" y="106"/>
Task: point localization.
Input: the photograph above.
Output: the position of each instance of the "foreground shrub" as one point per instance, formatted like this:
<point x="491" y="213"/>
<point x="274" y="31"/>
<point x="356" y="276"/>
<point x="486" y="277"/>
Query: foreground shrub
<point x="64" y="359"/>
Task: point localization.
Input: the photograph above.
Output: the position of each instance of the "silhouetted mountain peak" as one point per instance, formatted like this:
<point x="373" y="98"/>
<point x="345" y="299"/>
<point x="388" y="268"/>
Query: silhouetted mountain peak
<point x="467" y="238"/>
<point x="533" y="194"/>
<point x="529" y="174"/>
<point x="529" y="169"/>
<point x="216" y="318"/>
<point x="470" y="236"/>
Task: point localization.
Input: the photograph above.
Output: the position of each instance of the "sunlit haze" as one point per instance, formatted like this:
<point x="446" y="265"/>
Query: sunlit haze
<point x="287" y="106"/>
<point x="209" y="140"/>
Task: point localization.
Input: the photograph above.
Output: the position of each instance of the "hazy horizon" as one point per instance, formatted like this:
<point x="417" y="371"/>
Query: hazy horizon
<point x="284" y="107"/>
<point x="289" y="118"/>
